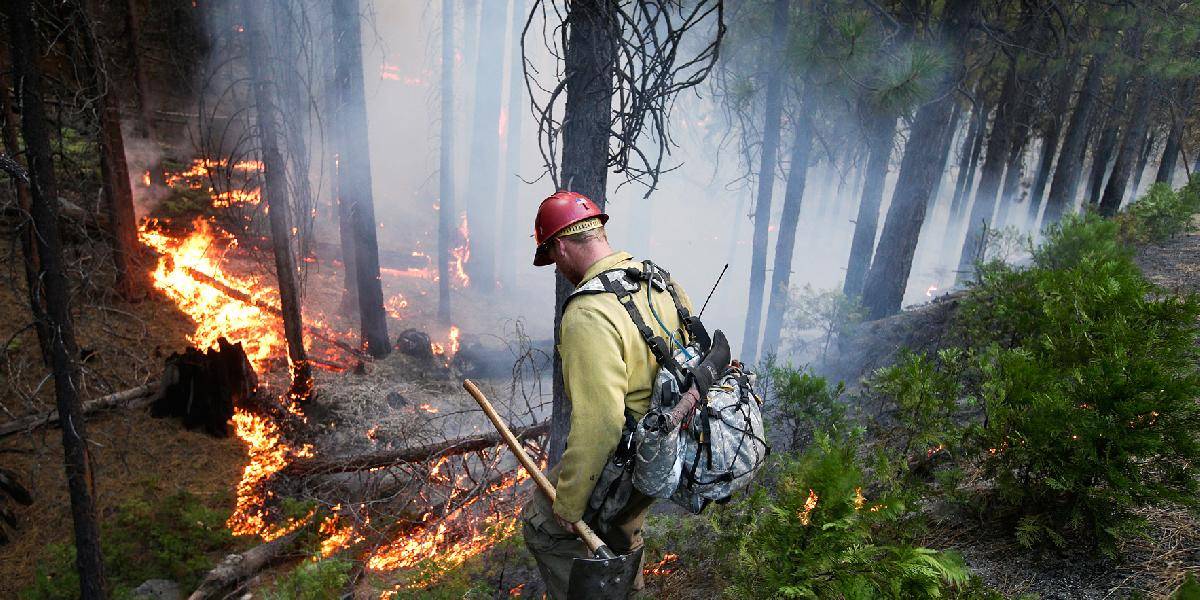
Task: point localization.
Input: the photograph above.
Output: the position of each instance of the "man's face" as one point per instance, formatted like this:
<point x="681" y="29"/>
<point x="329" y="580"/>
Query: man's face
<point x="565" y="259"/>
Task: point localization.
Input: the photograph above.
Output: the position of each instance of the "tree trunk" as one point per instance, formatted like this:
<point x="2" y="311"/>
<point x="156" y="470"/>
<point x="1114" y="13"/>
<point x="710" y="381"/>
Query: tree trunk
<point x="866" y="225"/>
<point x="1053" y="131"/>
<point x="966" y="179"/>
<point x="56" y="313"/>
<point x="773" y="108"/>
<point x="485" y="146"/>
<point x="29" y="260"/>
<point x="883" y="291"/>
<point x="1135" y="128"/>
<point x="1170" y="157"/>
<point x="294" y="102"/>
<point x="1108" y="141"/>
<point x="785" y="241"/>
<point x="354" y="175"/>
<point x="118" y="195"/>
<point x="276" y="193"/>
<point x="1149" y="137"/>
<point x="589" y="63"/>
<point x="446" y="200"/>
<point x="1018" y="148"/>
<point x="507" y="250"/>
<point x="1065" y="183"/>
<point x="145" y="125"/>
<point x="991" y="173"/>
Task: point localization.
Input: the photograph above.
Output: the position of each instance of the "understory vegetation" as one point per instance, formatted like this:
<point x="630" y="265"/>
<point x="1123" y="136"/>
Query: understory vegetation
<point x="1070" y="403"/>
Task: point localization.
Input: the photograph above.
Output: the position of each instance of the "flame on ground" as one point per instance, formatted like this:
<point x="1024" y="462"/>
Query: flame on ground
<point x="215" y="314"/>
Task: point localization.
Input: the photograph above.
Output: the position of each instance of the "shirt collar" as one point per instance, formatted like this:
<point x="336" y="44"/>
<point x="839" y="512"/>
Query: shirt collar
<point x="605" y="264"/>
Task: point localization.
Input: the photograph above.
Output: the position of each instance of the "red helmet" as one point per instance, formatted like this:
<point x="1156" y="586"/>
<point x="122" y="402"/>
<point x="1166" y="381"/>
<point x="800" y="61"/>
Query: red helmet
<point x="556" y="213"/>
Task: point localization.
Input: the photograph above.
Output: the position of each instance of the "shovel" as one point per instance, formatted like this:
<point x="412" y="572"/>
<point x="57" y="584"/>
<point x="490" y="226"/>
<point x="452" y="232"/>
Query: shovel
<point x="606" y="575"/>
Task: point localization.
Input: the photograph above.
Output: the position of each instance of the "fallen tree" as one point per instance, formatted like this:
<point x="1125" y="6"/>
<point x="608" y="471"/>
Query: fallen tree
<point x="131" y="398"/>
<point x="390" y="458"/>
<point x="240" y="567"/>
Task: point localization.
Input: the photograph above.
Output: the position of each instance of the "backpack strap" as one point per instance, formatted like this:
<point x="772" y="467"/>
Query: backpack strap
<point x="695" y="329"/>
<point x="622" y="284"/>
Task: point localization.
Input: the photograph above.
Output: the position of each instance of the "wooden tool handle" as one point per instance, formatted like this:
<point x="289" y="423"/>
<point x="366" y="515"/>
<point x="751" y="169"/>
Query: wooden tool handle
<point x="589" y="537"/>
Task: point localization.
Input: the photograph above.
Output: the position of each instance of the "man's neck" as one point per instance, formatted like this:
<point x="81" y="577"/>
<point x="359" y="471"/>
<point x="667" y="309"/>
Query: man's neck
<point x="593" y="253"/>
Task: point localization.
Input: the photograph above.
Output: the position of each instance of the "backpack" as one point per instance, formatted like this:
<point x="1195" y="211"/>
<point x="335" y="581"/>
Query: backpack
<point x="695" y="456"/>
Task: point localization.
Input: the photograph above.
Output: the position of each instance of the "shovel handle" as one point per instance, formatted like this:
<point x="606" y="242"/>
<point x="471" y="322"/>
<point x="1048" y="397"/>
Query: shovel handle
<point x="593" y="542"/>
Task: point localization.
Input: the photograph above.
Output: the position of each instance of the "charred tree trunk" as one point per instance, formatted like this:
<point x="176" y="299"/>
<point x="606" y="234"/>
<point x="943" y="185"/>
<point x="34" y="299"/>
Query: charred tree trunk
<point x="1107" y="143"/>
<point x="590" y="58"/>
<point x="883" y="291"/>
<point x="1019" y="144"/>
<point x="294" y="102"/>
<point x="967" y="158"/>
<point x="966" y="178"/>
<point x="866" y="225"/>
<point x="773" y="108"/>
<point x="1149" y="138"/>
<point x="785" y="244"/>
<point x="354" y="175"/>
<point x="485" y="146"/>
<point x="506" y="248"/>
<point x="276" y="193"/>
<point x="29" y="257"/>
<point x="114" y="173"/>
<point x="56" y="312"/>
<point x="1135" y="128"/>
<point x="991" y="173"/>
<point x="145" y="126"/>
<point x="1170" y="157"/>
<point x="1065" y="184"/>
<point x="1051" y="134"/>
<point x="446" y="203"/>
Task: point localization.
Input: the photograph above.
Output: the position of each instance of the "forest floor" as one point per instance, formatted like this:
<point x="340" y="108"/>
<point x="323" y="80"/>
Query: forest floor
<point x="138" y="457"/>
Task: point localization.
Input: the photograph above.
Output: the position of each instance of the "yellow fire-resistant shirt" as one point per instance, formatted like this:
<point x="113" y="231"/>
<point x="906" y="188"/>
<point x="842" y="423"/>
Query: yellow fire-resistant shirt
<point x="607" y="367"/>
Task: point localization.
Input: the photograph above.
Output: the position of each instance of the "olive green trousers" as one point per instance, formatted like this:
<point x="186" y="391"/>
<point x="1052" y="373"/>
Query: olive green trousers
<point x="554" y="548"/>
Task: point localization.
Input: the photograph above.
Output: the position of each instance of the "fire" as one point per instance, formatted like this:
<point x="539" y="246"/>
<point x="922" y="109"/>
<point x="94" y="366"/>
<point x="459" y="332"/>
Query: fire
<point x="394" y="305"/>
<point x="462" y="254"/>
<point x="930" y="291"/>
<point x="450" y="348"/>
<point x="268" y="455"/>
<point x="661" y="567"/>
<point x="810" y="503"/>
<point x="146" y="179"/>
<point x="237" y="198"/>
<point x="429" y="408"/>
<point x="215" y="314"/>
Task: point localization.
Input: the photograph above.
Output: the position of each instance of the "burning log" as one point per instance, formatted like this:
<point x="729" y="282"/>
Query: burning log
<point x="239" y="567"/>
<point x="362" y="462"/>
<point x="245" y="298"/>
<point x="131" y="398"/>
<point x="202" y="387"/>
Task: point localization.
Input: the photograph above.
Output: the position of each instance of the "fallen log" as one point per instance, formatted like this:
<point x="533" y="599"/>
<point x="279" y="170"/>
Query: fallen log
<point x="362" y="462"/>
<point x="245" y="298"/>
<point x="239" y="567"/>
<point x="131" y="398"/>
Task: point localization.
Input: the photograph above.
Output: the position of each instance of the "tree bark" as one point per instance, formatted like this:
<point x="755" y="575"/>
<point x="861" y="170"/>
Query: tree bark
<point x="275" y="192"/>
<point x="141" y="395"/>
<point x="294" y="102"/>
<point x="1148" y="140"/>
<point x="773" y="108"/>
<point x="55" y="294"/>
<point x="966" y="177"/>
<point x="354" y="175"/>
<point x="589" y="69"/>
<point x="785" y="241"/>
<point x="1065" y="183"/>
<point x="244" y="565"/>
<point x="29" y="259"/>
<point x="145" y="126"/>
<point x="991" y="173"/>
<point x="446" y="200"/>
<point x="1050" y="138"/>
<point x="114" y="172"/>
<point x="507" y="250"/>
<point x="866" y="225"/>
<point x="1022" y="128"/>
<point x="1107" y="143"/>
<point x="1170" y="157"/>
<point x="883" y="291"/>
<point x="1135" y="128"/>
<point x="485" y="146"/>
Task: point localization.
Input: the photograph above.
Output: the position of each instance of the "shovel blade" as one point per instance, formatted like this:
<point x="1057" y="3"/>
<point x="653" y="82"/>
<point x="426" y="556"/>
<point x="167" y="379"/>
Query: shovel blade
<point x="604" y="578"/>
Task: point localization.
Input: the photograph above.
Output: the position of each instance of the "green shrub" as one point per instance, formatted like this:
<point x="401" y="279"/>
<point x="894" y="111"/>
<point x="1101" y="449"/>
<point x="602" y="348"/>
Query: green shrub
<point x="925" y="395"/>
<point x="1089" y="380"/>
<point x="150" y="536"/>
<point x="806" y="404"/>
<point x="1159" y="214"/>
<point x="816" y="535"/>
<point x="312" y="580"/>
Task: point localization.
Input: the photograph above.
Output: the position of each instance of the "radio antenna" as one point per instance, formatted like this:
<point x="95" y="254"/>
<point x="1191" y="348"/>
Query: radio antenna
<point x="714" y="288"/>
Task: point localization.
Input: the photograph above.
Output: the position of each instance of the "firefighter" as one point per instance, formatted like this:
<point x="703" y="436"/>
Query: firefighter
<point x="608" y="371"/>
